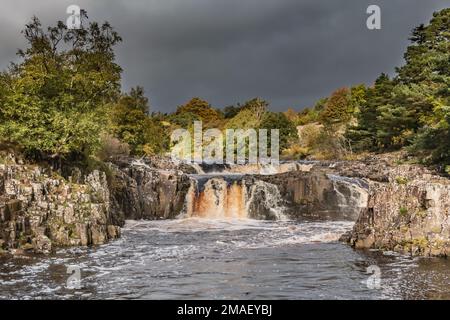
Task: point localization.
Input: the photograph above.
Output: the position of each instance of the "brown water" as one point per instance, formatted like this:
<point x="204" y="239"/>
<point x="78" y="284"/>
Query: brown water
<point x="225" y="258"/>
<point x="218" y="199"/>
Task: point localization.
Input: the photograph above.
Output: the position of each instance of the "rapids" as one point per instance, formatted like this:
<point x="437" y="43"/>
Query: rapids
<point x="199" y="258"/>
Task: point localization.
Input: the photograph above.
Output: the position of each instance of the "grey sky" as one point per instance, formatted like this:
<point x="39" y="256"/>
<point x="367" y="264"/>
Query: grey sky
<point x="289" y="52"/>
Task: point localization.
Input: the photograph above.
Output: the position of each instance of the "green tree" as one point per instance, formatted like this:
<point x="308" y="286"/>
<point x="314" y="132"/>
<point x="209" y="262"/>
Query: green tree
<point x="54" y="100"/>
<point x="310" y="115"/>
<point x="231" y="111"/>
<point x="426" y="75"/>
<point x="183" y="120"/>
<point x="291" y="115"/>
<point x="131" y="123"/>
<point x="278" y="120"/>
<point x="357" y="99"/>
<point x="363" y="135"/>
<point x="250" y="115"/>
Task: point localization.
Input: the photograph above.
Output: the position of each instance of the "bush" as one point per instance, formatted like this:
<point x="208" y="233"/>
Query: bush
<point x="111" y="148"/>
<point x="309" y="134"/>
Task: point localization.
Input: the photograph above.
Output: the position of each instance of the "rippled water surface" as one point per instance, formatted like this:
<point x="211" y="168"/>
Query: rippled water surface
<point x="204" y="259"/>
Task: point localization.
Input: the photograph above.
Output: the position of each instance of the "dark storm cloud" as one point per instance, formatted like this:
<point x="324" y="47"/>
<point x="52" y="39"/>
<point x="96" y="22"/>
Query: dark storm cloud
<point x="290" y="52"/>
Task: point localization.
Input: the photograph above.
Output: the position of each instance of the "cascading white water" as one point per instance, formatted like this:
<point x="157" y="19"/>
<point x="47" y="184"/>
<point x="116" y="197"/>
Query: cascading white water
<point x="197" y="168"/>
<point x="266" y="197"/>
<point x="218" y="199"/>
<point x="222" y="198"/>
<point x="357" y="195"/>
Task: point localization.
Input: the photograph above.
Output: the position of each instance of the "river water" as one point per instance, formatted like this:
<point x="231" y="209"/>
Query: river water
<point x="225" y="259"/>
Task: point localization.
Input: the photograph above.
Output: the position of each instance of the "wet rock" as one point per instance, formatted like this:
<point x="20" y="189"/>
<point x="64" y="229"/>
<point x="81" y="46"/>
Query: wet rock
<point x="264" y="200"/>
<point x="42" y="244"/>
<point x="317" y="195"/>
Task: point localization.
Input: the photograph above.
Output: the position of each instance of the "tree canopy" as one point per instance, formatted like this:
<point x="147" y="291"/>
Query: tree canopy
<point x="53" y="102"/>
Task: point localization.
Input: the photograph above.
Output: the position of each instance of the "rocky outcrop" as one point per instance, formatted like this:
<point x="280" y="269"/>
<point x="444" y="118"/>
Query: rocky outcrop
<point x="40" y="210"/>
<point x="295" y="195"/>
<point x="410" y="213"/>
<point x="399" y="207"/>
<point x="396" y="207"/>
<point x="148" y="189"/>
<point x="319" y="195"/>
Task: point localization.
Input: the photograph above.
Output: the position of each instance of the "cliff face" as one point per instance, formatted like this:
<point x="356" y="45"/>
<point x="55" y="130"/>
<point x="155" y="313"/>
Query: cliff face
<point x="148" y="190"/>
<point x="39" y="210"/>
<point x="408" y="213"/>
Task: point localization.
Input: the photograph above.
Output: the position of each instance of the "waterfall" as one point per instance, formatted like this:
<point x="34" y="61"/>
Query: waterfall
<point x="216" y="199"/>
<point x="265" y="201"/>
<point x="197" y="168"/>
<point x="231" y="197"/>
<point x="351" y="193"/>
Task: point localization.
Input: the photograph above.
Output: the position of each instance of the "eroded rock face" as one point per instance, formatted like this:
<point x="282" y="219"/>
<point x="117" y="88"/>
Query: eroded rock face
<point x="142" y="190"/>
<point x="40" y="210"/>
<point x="409" y="214"/>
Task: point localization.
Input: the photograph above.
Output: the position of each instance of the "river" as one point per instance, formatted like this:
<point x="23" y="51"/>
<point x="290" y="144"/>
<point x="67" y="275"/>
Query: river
<point x="197" y="258"/>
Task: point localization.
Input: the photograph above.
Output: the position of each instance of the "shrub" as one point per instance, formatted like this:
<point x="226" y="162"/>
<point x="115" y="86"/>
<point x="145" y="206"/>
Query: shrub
<point x="112" y="147"/>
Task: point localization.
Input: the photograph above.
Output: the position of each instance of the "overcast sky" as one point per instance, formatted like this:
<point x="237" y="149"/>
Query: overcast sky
<point x="289" y="52"/>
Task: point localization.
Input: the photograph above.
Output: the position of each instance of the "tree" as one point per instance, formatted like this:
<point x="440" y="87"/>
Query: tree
<point x="250" y="115"/>
<point x="310" y="115"/>
<point x="412" y="109"/>
<point x="426" y="76"/>
<point x="363" y="135"/>
<point x="201" y="109"/>
<point x="257" y="106"/>
<point x="291" y="115"/>
<point x="357" y="99"/>
<point x="231" y="111"/>
<point x="54" y="100"/>
<point x="337" y="109"/>
<point x="422" y="87"/>
<point x="131" y="123"/>
<point x="427" y="57"/>
<point x="183" y="120"/>
<point x="278" y="120"/>
<point x="401" y="118"/>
